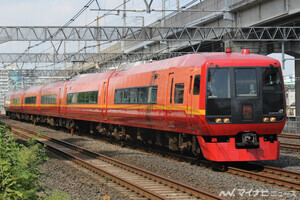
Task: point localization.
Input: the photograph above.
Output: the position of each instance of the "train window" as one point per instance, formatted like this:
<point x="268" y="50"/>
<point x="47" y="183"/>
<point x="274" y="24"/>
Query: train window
<point x="179" y="91"/>
<point x="90" y="97"/>
<point x="272" y="79"/>
<point x="49" y="99"/>
<point x="218" y="83"/>
<point x="171" y="94"/>
<point x="72" y="98"/>
<point x="272" y="91"/>
<point x="118" y="96"/>
<point x="245" y="82"/>
<point x="143" y="95"/>
<point x="136" y="95"/>
<point x="30" y="100"/>
<point x="218" y="92"/>
<point x="152" y="94"/>
<point x="16" y="101"/>
<point x="196" y="90"/>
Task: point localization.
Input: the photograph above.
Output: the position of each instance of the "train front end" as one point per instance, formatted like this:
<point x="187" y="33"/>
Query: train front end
<point x="245" y="110"/>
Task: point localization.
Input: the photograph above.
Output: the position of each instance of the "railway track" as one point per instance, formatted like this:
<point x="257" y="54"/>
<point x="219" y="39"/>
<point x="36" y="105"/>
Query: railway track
<point x="267" y="174"/>
<point x="287" y="146"/>
<point x="145" y="184"/>
<point x="292" y="147"/>
<point x="289" y="136"/>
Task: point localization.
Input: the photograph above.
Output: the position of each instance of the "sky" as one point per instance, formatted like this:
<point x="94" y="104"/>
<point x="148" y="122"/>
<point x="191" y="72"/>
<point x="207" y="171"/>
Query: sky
<point x="59" y="12"/>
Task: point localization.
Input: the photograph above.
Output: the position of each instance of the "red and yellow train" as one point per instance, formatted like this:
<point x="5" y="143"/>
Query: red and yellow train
<point x="224" y="106"/>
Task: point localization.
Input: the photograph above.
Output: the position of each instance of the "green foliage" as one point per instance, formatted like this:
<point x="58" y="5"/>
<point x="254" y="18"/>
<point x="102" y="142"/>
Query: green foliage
<point x="19" y="167"/>
<point x="58" y="196"/>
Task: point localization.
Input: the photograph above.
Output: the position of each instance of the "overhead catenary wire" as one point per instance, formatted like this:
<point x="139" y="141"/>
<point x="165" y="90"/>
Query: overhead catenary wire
<point x="67" y="24"/>
<point x="77" y="15"/>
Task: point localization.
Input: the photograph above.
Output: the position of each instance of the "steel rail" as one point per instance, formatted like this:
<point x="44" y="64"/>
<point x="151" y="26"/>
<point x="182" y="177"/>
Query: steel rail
<point x="165" y="181"/>
<point x="267" y="175"/>
<point x="293" y="147"/>
<point x="289" y="136"/>
<point x="282" y="172"/>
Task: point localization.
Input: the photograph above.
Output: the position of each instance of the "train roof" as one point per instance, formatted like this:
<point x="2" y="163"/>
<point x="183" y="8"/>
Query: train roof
<point x="194" y="60"/>
<point x="190" y="60"/>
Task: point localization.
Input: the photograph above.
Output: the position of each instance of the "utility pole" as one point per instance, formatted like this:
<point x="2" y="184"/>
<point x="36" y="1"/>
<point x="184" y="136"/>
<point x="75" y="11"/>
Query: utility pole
<point x="98" y="42"/>
<point x="163" y="7"/>
<point x="124" y="24"/>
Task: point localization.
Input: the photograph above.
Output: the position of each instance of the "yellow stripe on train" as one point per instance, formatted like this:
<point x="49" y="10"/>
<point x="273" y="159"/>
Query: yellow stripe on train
<point x="187" y="110"/>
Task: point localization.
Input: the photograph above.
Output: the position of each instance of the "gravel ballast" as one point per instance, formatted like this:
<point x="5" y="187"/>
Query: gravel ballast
<point x="75" y="181"/>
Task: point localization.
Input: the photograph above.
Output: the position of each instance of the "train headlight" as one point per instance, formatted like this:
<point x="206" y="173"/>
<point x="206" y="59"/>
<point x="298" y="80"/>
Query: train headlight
<point x="273" y="119"/>
<point x="218" y="120"/>
<point x="266" y="119"/>
<point x="226" y="120"/>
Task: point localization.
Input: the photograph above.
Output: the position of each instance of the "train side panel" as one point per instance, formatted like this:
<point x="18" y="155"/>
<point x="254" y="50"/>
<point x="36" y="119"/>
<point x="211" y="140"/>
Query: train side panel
<point x="135" y="99"/>
<point x="17" y="101"/>
<point x="32" y="100"/>
<point x="50" y="99"/>
<point x="83" y="97"/>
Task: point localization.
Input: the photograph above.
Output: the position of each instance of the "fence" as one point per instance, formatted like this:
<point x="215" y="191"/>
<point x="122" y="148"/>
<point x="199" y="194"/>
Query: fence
<point x="292" y="125"/>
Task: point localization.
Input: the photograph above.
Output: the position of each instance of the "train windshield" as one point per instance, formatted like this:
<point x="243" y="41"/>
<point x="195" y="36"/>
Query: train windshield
<point x="235" y="89"/>
<point x="245" y="82"/>
<point x="272" y="91"/>
<point x="218" y="92"/>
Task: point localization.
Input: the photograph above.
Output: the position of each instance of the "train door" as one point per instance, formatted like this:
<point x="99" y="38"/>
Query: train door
<point x="58" y="101"/>
<point x="104" y="102"/>
<point x="169" y="100"/>
<point x="194" y="99"/>
<point x="22" y="102"/>
<point x="63" y="101"/>
<point x="176" y="100"/>
<point x="39" y="100"/>
<point x="189" y="106"/>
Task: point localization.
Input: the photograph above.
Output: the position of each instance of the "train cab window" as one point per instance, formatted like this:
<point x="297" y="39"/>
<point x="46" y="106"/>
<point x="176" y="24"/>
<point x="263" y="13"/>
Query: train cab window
<point x="272" y="80"/>
<point x="218" y="92"/>
<point x="16" y="101"/>
<point x="245" y="82"/>
<point x="136" y="95"/>
<point x="49" y="99"/>
<point x="218" y="83"/>
<point x="272" y="91"/>
<point x="30" y="100"/>
<point x="90" y="97"/>
<point x="179" y="93"/>
<point x="196" y="90"/>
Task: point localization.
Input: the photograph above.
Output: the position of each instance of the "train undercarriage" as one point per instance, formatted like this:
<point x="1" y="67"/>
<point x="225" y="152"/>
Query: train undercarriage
<point x="180" y="142"/>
